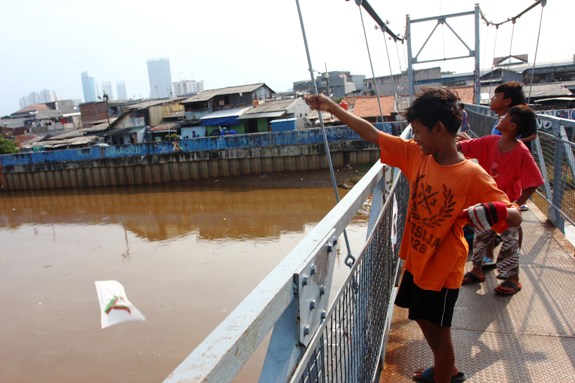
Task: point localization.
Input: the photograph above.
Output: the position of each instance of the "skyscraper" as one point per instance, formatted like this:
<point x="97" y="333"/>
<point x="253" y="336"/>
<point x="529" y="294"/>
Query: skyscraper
<point x="89" y="87"/>
<point x="160" y="78"/>
<point x="186" y="87"/>
<point x="107" y="88"/>
<point x="121" y="90"/>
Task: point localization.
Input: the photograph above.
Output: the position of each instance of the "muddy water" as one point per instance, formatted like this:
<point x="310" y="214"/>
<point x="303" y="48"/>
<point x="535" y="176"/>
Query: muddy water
<point x="186" y="255"/>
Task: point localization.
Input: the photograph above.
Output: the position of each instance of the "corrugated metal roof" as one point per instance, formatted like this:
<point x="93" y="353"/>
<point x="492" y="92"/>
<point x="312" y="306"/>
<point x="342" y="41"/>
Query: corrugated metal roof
<point x="262" y="115"/>
<point x="149" y="103"/>
<point x="13" y="122"/>
<point x="226" y="113"/>
<point x="269" y="109"/>
<point x="166" y="126"/>
<point x="211" y="93"/>
<point x="272" y="106"/>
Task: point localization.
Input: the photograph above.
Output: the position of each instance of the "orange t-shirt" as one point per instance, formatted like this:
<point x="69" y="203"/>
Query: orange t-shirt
<point x="433" y="245"/>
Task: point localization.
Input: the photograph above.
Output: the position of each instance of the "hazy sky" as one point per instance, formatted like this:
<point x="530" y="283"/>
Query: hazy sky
<point x="46" y="44"/>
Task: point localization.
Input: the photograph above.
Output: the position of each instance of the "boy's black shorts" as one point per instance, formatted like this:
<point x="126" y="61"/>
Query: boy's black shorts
<point x="433" y="306"/>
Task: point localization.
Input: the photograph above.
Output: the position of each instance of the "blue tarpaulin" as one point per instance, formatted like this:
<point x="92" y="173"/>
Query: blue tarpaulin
<point x="229" y="120"/>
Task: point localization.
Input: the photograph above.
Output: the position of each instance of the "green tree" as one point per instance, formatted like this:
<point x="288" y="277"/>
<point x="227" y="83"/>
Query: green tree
<point x="7" y="146"/>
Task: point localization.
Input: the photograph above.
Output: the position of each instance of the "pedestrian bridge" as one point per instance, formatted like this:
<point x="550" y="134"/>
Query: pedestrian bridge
<point x="353" y="333"/>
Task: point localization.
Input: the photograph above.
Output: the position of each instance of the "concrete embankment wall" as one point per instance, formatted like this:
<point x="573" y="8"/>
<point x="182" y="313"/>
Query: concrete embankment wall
<point x="174" y="163"/>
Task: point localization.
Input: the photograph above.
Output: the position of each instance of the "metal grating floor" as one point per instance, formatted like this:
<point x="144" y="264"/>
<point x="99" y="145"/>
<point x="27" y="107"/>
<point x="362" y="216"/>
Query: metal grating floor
<point x="528" y="337"/>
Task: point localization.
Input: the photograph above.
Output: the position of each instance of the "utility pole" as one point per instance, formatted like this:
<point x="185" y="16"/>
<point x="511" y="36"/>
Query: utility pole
<point x="105" y="98"/>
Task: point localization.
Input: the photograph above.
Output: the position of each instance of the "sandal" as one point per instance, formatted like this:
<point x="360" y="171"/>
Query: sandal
<point x="428" y="375"/>
<point x="508" y="287"/>
<point x="470" y="278"/>
<point x="488" y="263"/>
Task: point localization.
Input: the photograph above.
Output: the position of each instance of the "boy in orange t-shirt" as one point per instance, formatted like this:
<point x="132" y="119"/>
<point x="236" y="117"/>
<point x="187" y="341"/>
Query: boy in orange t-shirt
<point x="447" y="191"/>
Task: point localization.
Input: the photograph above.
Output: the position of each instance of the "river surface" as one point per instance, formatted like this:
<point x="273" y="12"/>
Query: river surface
<point x="186" y="255"/>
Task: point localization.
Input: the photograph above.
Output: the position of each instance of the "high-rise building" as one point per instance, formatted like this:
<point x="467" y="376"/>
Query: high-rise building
<point x="47" y="95"/>
<point x="33" y="98"/>
<point x="107" y="89"/>
<point x="186" y="87"/>
<point x="160" y="78"/>
<point x="89" y="87"/>
<point x="121" y="90"/>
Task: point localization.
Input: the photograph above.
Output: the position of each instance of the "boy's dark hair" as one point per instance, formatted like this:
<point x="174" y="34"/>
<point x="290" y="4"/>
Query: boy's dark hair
<point x="512" y="90"/>
<point x="433" y="105"/>
<point x="525" y="119"/>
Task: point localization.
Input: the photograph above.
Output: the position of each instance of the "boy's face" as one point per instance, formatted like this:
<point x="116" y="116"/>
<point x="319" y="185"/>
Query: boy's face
<point x="425" y="138"/>
<point x="506" y="125"/>
<point x="499" y="104"/>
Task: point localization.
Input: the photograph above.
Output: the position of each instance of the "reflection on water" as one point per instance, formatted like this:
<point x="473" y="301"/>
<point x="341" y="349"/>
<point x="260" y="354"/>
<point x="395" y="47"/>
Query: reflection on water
<point x="187" y="255"/>
<point x="162" y="213"/>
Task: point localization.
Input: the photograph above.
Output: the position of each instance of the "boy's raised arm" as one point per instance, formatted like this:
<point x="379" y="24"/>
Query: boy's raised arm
<point x="362" y="127"/>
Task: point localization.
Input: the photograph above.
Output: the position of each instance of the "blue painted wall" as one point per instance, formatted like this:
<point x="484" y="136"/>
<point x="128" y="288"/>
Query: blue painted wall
<point x="240" y="141"/>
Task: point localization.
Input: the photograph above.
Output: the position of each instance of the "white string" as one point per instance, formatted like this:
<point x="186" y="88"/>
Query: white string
<point x="536" y="49"/>
<point x="371" y="65"/>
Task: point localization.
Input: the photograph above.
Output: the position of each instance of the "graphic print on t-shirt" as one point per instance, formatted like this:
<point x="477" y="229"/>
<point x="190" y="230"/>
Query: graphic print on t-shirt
<point x="428" y="211"/>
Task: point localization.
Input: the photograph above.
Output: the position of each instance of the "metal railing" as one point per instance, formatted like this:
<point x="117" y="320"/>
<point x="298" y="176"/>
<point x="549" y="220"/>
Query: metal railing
<point x="555" y="155"/>
<point x="311" y="342"/>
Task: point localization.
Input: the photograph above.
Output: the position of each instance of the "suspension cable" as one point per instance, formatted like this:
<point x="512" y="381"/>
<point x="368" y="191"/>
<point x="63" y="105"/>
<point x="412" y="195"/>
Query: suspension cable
<point x="512" y="19"/>
<point x="511" y="44"/>
<point x="543" y="3"/>
<point x="349" y="257"/>
<point x="492" y="61"/>
<point x="371" y="65"/>
<point x="392" y="78"/>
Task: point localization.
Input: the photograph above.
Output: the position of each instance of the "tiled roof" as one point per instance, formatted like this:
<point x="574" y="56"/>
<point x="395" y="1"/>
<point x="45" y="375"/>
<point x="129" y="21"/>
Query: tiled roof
<point x="33" y="107"/>
<point x="465" y="93"/>
<point x="366" y="106"/>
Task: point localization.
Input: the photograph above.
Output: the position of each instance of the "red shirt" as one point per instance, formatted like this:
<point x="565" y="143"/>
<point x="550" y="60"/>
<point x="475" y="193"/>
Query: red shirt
<point x="513" y="171"/>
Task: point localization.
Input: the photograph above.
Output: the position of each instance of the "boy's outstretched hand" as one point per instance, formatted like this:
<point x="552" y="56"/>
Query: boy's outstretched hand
<point x="484" y="215"/>
<point x="320" y="102"/>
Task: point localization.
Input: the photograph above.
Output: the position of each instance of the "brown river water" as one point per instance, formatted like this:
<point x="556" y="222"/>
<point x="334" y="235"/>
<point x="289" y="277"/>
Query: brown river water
<point x="186" y="255"/>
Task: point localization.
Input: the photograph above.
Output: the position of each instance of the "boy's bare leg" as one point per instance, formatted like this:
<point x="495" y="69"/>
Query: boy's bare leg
<point x="439" y="340"/>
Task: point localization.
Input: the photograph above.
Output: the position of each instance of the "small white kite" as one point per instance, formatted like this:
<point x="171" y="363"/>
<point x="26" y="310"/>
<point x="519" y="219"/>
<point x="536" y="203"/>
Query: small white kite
<point x="114" y="305"/>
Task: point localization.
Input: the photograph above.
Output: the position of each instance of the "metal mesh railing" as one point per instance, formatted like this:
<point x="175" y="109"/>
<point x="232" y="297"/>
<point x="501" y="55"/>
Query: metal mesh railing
<point x="348" y="346"/>
<point x="555" y="158"/>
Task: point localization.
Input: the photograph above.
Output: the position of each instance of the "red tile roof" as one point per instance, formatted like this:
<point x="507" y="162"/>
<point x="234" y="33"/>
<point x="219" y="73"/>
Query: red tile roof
<point x="465" y="93"/>
<point x="366" y="106"/>
<point x="33" y="107"/>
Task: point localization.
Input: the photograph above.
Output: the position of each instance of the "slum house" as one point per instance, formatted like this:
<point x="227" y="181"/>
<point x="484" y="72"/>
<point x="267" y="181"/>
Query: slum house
<point x="99" y="112"/>
<point x="291" y="112"/>
<point x="42" y="120"/>
<point x="132" y="126"/>
<point x="212" y="110"/>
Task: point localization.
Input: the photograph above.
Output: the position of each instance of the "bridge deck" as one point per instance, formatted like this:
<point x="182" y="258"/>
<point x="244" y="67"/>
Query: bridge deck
<point x="528" y="337"/>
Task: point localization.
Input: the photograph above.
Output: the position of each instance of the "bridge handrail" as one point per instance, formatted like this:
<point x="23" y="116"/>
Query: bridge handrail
<point x="222" y="354"/>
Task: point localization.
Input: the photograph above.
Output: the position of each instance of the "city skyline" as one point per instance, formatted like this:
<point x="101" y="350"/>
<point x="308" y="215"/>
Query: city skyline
<point x="252" y="49"/>
<point x="160" y="78"/>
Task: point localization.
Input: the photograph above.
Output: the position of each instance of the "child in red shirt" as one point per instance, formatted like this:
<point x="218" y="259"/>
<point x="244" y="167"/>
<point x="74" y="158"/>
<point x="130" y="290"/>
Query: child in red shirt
<point x="513" y="168"/>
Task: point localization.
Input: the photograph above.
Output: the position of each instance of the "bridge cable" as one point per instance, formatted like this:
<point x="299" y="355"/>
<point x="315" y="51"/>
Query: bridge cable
<point x="543" y="3"/>
<point x="512" y="19"/>
<point x="371" y="65"/>
<point x="511" y="44"/>
<point x="493" y="61"/>
<point x="349" y="257"/>
<point x="392" y="77"/>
